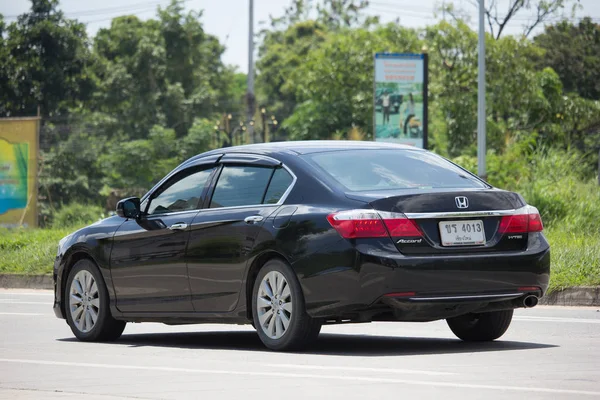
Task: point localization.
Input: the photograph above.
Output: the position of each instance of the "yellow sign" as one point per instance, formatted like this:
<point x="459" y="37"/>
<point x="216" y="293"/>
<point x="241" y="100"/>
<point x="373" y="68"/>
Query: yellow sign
<point x="18" y="171"/>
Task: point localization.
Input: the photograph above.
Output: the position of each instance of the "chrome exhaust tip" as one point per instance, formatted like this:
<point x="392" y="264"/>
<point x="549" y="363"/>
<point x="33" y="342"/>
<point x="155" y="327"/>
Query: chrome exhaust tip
<point x="530" y="301"/>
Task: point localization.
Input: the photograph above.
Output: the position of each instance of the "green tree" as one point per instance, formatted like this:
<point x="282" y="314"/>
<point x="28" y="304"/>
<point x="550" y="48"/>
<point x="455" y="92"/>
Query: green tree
<point x="334" y="82"/>
<point x="289" y="39"/>
<point x="280" y="54"/>
<point x="573" y="51"/>
<point x="44" y="63"/>
<point x="160" y="72"/>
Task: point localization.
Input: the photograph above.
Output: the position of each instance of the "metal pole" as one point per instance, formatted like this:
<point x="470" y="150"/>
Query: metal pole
<point x="250" y="78"/>
<point x="481" y="146"/>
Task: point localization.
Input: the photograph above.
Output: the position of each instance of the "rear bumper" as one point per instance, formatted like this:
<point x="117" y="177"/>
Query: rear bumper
<point x="377" y="277"/>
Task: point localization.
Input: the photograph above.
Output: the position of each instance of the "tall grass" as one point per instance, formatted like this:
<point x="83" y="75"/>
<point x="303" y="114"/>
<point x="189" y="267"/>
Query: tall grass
<point x="32" y="251"/>
<point x="29" y="251"/>
<point x="575" y="258"/>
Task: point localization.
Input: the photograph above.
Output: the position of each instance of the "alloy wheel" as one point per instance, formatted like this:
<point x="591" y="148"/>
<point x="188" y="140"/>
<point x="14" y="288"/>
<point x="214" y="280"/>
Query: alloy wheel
<point x="274" y="305"/>
<point x="84" y="301"/>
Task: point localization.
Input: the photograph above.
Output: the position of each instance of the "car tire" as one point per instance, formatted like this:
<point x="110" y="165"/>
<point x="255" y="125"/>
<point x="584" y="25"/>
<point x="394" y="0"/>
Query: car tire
<point x="85" y="296"/>
<point x="482" y="327"/>
<point x="278" y="304"/>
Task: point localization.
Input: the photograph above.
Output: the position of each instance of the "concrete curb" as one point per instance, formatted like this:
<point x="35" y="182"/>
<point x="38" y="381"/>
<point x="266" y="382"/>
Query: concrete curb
<point x="576" y="296"/>
<point x="14" y="281"/>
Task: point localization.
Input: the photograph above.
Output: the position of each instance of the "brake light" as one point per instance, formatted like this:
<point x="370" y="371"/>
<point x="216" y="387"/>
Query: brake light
<point x="354" y="224"/>
<point x="526" y="220"/>
<point x="358" y="224"/>
<point x="535" y="223"/>
<point x="402" y="227"/>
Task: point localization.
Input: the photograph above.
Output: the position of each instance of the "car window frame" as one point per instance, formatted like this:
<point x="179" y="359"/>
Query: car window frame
<point x="175" y="177"/>
<point x="240" y="162"/>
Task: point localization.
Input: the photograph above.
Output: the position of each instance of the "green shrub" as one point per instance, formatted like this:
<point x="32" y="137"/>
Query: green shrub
<point x="76" y="214"/>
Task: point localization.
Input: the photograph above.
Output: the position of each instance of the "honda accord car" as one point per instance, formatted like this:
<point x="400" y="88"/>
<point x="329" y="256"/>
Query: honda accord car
<point x="291" y="236"/>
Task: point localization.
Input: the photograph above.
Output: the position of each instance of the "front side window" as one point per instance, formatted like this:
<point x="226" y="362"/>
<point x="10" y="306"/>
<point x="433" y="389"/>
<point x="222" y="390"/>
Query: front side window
<point x="182" y="194"/>
<point x="241" y="186"/>
<point x="365" y="170"/>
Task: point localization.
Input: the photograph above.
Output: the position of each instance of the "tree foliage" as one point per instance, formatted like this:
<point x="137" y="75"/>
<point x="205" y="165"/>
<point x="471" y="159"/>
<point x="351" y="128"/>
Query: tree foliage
<point x="123" y="108"/>
<point x="160" y="72"/>
<point x="573" y="51"/>
<point x="44" y="58"/>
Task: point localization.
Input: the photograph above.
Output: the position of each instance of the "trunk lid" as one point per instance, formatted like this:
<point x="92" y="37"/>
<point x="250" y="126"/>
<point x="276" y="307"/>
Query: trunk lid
<point x="446" y="219"/>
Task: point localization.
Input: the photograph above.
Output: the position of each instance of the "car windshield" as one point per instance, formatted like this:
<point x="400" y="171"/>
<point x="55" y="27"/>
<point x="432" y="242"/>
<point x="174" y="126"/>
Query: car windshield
<point x="368" y="170"/>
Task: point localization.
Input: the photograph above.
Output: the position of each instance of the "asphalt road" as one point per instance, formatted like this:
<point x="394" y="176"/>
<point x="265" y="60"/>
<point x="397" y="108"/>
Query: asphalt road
<point x="548" y="353"/>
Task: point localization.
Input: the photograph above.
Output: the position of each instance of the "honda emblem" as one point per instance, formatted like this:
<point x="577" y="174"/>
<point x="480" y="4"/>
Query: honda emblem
<point x="461" y="202"/>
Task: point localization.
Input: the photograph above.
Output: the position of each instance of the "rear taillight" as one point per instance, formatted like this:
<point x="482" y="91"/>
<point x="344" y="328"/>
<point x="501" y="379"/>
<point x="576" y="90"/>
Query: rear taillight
<point x="526" y="220"/>
<point x="354" y="224"/>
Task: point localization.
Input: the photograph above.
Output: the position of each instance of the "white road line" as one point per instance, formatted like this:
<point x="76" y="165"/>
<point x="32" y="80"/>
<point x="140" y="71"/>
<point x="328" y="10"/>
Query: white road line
<point x="271" y="374"/>
<point x="11" y="294"/>
<point x="359" y="369"/>
<point x="18" y="313"/>
<point x="558" y="319"/>
<point x="4" y="301"/>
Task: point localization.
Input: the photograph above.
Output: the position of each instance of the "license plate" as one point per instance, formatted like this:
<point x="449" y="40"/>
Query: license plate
<point x="462" y="233"/>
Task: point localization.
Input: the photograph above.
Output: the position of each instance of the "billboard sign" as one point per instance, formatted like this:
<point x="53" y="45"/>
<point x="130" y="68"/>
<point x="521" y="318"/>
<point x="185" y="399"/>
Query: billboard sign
<point x="18" y="171"/>
<point x="400" y="97"/>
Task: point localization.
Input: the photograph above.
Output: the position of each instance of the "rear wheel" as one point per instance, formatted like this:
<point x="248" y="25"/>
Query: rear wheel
<point x="481" y="327"/>
<point x="278" y="309"/>
<point x="87" y="305"/>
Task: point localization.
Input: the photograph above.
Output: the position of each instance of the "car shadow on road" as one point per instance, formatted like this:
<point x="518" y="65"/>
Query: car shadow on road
<point x="326" y="344"/>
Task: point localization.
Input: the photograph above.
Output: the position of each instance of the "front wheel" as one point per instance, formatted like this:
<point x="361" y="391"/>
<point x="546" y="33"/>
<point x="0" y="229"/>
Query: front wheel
<point x="483" y="327"/>
<point x="278" y="309"/>
<point x="87" y="305"/>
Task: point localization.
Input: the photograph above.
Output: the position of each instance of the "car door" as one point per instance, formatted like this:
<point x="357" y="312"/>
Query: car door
<point x="148" y="264"/>
<point x="246" y="193"/>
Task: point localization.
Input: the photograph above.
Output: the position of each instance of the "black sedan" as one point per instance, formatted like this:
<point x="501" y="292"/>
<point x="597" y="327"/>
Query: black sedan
<point x="290" y="236"/>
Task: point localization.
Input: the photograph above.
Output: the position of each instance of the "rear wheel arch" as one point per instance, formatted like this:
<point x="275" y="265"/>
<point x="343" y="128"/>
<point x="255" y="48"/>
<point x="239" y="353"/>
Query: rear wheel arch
<point x="253" y="271"/>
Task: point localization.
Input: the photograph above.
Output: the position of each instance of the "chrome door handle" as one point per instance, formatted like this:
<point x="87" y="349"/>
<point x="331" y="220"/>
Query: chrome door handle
<point x="253" y="219"/>
<point x="178" y="227"/>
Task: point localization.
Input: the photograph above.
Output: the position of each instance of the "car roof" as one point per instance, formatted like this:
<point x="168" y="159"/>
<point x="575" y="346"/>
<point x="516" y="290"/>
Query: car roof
<point x="308" y="147"/>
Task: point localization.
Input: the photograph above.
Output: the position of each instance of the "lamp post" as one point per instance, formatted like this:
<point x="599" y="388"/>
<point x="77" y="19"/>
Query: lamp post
<point x="481" y="135"/>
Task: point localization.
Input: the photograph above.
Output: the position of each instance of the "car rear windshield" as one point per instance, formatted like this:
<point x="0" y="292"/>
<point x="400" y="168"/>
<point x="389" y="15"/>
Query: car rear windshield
<point x="368" y="170"/>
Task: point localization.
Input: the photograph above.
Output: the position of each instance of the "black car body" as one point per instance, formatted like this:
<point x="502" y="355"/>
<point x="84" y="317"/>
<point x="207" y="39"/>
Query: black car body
<point x="197" y="259"/>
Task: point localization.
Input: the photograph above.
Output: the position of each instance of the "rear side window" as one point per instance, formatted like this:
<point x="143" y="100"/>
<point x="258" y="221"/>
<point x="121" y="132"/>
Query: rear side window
<point x="364" y="170"/>
<point x="279" y="184"/>
<point x="241" y="186"/>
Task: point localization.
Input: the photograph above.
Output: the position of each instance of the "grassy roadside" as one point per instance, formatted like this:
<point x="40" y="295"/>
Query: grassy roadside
<point x="575" y="257"/>
<point x="29" y="251"/>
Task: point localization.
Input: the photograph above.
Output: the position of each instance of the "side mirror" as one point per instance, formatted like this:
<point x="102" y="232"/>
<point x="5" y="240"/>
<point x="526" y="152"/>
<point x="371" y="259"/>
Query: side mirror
<point x="129" y="208"/>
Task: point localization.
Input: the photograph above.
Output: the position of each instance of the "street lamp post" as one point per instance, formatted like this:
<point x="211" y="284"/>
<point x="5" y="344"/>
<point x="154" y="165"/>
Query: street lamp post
<point x="481" y="136"/>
